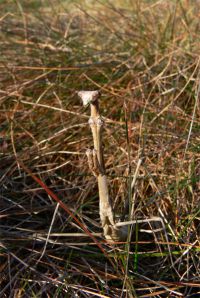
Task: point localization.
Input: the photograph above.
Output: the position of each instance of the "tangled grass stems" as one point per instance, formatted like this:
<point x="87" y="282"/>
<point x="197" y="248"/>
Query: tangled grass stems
<point x="144" y="54"/>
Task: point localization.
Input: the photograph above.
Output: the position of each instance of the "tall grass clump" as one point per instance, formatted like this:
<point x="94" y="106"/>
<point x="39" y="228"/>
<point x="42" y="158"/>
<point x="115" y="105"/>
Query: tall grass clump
<point x="143" y="56"/>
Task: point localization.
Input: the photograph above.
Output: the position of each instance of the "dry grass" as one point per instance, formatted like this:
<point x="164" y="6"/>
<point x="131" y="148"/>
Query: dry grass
<point x="144" y="57"/>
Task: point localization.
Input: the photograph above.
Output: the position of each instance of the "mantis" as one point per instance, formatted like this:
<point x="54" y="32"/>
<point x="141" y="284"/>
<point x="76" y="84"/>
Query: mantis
<point x="113" y="231"/>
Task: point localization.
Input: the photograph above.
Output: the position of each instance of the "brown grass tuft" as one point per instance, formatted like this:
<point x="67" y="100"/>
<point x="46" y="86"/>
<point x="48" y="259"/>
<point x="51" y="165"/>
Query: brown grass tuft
<point x="144" y="57"/>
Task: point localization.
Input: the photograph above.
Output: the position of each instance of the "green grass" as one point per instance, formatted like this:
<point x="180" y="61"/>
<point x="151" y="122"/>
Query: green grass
<point x="144" y="57"/>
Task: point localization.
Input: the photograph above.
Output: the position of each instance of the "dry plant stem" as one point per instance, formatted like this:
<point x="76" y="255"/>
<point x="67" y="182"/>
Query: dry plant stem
<point x="96" y="163"/>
